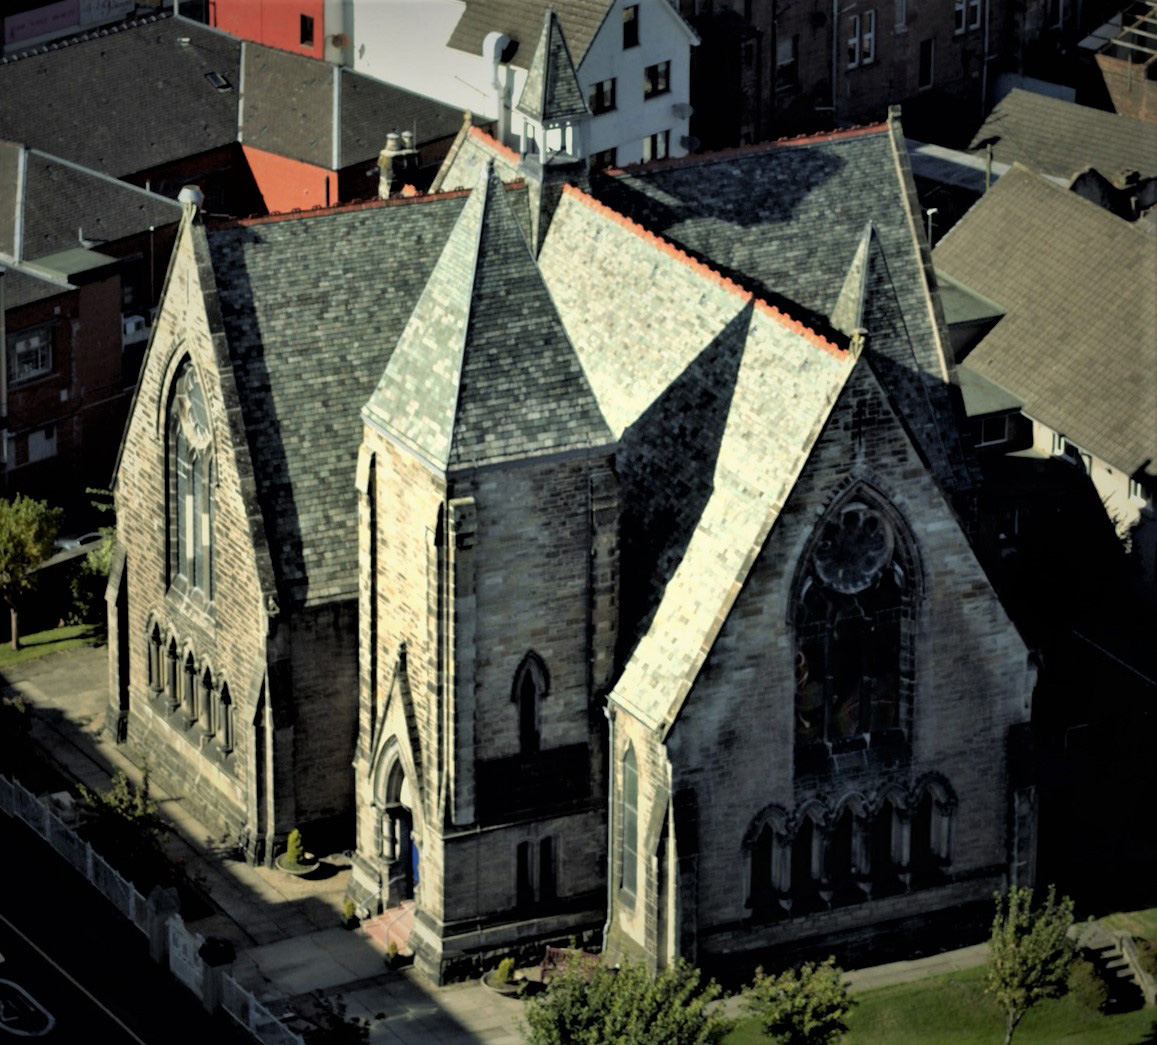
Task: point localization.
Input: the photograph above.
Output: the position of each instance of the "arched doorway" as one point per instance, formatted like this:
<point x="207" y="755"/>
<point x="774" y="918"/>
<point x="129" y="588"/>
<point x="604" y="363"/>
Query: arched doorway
<point x="399" y="850"/>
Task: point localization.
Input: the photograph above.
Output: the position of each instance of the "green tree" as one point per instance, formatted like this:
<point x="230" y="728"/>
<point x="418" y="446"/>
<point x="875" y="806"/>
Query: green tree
<point x="27" y="530"/>
<point x="592" y="1004"/>
<point x="1029" y="952"/>
<point x="90" y="579"/>
<point x="124" y="826"/>
<point x="807" y="1007"/>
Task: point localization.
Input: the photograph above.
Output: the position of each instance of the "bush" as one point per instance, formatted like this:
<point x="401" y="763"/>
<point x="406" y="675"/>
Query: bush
<point x="1086" y="986"/>
<point x="505" y="972"/>
<point x="807" y="1007"/>
<point x="1147" y="954"/>
<point x="294" y="849"/>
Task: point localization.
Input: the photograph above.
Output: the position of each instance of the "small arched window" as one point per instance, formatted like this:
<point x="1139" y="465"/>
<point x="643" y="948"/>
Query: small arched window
<point x="630" y="821"/>
<point x="530" y="686"/>
<point x="225" y="723"/>
<point x="190" y="696"/>
<point x="190" y="484"/>
<point x="172" y="683"/>
<point x="208" y="707"/>
<point x="155" y="661"/>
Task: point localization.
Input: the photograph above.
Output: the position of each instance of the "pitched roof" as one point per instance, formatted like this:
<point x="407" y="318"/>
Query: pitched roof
<point x="786" y="220"/>
<point x="521" y="20"/>
<point x="484" y="371"/>
<point x="717" y="399"/>
<point x="126" y="99"/>
<point x="52" y="201"/>
<point x="309" y="341"/>
<point x="551" y="91"/>
<point x="1061" y="138"/>
<point x="1078" y="342"/>
<point x="289" y="109"/>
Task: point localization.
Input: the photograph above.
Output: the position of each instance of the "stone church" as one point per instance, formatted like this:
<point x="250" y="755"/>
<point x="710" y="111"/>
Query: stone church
<point x="588" y="552"/>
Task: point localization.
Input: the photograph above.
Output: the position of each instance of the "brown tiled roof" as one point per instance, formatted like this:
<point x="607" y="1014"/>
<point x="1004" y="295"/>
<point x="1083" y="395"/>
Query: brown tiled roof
<point x="1060" y="138"/>
<point x="521" y="20"/>
<point x="1078" y="342"/>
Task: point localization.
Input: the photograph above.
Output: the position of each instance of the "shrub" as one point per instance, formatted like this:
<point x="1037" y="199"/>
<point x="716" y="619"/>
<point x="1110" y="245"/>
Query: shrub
<point x="1086" y="986"/>
<point x="807" y="1007"/>
<point x="348" y="910"/>
<point x="505" y="971"/>
<point x="1147" y="954"/>
<point x="294" y="848"/>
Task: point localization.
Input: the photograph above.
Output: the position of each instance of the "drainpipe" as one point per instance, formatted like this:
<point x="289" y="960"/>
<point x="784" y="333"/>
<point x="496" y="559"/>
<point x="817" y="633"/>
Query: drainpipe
<point x="835" y="54"/>
<point x="609" y="712"/>
<point x="984" y="68"/>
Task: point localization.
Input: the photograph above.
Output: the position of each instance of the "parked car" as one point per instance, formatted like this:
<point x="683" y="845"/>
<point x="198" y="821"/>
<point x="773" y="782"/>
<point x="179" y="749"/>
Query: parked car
<point x="63" y="544"/>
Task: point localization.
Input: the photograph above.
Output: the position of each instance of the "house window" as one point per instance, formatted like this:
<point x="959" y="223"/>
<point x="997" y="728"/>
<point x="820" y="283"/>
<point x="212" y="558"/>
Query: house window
<point x="631" y="26"/>
<point x="630" y="821"/>
<point x="42" y="444"/>
<point x="600" y="161"/>
<point x="966" y="14"/>
<point x="547" y="876"/>
<point x="656" y="80"/>
<point x="901" y="20"/>
<point x="602" y="97"/>
<point x="853" y="628"/>
<point x="174" y="691"/>
<point x="191" y="478"/>
<point x="530" y="686"/>
<point x="306" y="30"/>
<point x="1056" y="13"/>
<point x="29" y="354"/>
<point x="927" y="55"/>
<point x="787" y="61"/>
<point x="853" y="41"/>
<point x="524" y="875"/>
<point x="155" y="660"/>
<point x="208" y="707"/>
<point x="656" y="146"/>
<point x="993" y="430"/>
<point x="868" y="38"/>
<point x="190" y="694"/>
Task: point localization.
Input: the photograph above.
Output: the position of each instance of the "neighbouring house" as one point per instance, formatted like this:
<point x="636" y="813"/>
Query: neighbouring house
<point x="1126" y="56"/>
<point x="614" y="540"/>
<point x="632" y="60"/>
<point x="1055" y="324"/>
<point x="257" y="129"/>
<point x="766" y="69"/>
<point x="32" y="23"/>
<point x="82" y="263"/>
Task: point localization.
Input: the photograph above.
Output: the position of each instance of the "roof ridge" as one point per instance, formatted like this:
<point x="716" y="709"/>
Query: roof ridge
<point x="756" y="148"/>
<point x="85" y="37"/>
<point x="342" y="208"/>
<point x="706" y="271"/>
<point x="505" y="151"/>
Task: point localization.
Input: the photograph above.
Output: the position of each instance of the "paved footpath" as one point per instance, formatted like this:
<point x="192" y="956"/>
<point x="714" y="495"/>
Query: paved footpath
<point x="286" y="930"/>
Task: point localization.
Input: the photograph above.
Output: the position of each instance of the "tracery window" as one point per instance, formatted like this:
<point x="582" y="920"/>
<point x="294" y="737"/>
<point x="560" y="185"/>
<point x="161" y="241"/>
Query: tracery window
<point x="850" y="631"/>
<point x="191" y="479"/>
<point x="225" y="721"/>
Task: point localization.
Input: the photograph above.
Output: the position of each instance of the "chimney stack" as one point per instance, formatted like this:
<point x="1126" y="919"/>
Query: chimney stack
<point x="396" y="160"/>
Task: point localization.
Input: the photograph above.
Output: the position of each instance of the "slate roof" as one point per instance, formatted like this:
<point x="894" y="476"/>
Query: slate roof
<point x="309" y="342"/>
<point x="484" y="371"/>
<point x="1078" y="342"/>
<point x="786" y="220"/>
<point x="521" y="20"/>
<point x="55" y="199"/>
<point x="717" y="400"/>
<point x="1061" y="138"/>
<point x="288" y="109"/>
<point x="551" y="91"/>
<point x="126" y="99"/>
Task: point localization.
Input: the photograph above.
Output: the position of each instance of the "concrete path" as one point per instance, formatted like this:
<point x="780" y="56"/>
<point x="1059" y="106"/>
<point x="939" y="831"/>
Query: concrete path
<point x="286" y="930"/>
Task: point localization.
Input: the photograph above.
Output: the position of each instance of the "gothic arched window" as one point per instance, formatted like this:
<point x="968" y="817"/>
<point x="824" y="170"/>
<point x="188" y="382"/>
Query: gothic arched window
<point x="630" y="821"/>
<point x="191" y="478"/>
<point x="530" y="685"/>
<point x="850" y="626"/>
<point x="225" y="719"/>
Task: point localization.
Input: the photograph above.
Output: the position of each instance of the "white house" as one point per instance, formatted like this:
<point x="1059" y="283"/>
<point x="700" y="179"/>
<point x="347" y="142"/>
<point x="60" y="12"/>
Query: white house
<point x="632" y="62"/>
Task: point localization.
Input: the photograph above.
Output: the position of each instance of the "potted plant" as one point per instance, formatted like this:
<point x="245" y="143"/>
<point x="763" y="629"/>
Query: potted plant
<point x="295" y="860"/>
<point x="349" y="917"/>
<point x="501" y="980"/>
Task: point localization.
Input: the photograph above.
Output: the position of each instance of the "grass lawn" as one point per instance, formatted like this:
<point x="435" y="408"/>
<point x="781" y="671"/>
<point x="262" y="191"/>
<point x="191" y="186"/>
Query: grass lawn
<point x="954" y="1010"/>
<point x="1139" y="923"/>
<point x="57" y="640"/>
